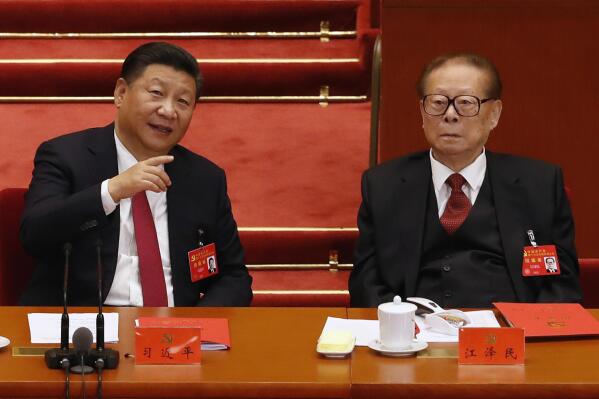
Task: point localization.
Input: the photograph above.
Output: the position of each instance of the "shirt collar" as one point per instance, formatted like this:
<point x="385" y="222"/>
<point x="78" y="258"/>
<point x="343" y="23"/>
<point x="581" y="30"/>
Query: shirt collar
<point x="124" y="158"/>
<point x="473" y="173"/>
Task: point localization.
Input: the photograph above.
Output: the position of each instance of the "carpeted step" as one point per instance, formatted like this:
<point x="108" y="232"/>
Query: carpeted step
<point x="303" y="248"/>
<point x="200" y="48"/>
<point x="300" y="280"/>
<point x="288" y="165"/>
<point x="300" y="288"/>
<point x="297" y="74"/>
<point x="177" y="16"/>
<point x="222" y="78"/>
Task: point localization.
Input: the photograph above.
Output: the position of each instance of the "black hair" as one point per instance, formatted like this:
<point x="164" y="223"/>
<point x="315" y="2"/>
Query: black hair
<point x="478" y="61"/>
<point x="161" y="53"/>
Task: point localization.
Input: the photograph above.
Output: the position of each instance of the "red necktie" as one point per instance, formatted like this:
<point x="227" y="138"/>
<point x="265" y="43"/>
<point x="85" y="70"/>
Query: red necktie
<point x="458" y="206"/>
<point x="150" y="264"/>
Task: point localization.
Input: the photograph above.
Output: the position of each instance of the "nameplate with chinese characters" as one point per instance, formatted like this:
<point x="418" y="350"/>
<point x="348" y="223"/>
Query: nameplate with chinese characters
<point x="172" y="345"/>
<point x="491" y="346"/>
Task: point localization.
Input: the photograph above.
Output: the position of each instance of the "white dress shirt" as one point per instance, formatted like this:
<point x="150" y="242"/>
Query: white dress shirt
<point x="473" y="173"/>
<point x="126" y="286"/>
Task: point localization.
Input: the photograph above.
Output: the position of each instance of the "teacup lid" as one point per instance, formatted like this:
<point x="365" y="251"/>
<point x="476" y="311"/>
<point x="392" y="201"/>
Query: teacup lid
<point x="397" y="306"/>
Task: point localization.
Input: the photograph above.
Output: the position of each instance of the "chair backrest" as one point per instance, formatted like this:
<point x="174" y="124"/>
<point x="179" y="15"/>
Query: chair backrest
<point x="589" y="280"/>
<point x="16" y="266"/>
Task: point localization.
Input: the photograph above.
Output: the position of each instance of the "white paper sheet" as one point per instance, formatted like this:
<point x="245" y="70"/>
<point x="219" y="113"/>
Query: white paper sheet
<point x="364" y="330"/>
<point x="45" y="327"/>
<point x="367" y="330"/>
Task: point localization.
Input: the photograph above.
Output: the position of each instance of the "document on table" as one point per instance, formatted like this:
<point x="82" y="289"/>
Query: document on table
<point x="45" y="327"/>
<point x="366" y="331"/>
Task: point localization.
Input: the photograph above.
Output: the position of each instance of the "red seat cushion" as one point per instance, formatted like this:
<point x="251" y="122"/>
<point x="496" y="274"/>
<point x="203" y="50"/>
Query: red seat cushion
<point x="15" y="265"/>
<point x="589" y="280"/>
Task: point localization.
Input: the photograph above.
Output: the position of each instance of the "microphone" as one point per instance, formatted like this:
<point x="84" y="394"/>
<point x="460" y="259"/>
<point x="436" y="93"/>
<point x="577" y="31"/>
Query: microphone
<point x="54" y="357"/>
<point x="109" y="357"/>
<point x="82" y="340"/>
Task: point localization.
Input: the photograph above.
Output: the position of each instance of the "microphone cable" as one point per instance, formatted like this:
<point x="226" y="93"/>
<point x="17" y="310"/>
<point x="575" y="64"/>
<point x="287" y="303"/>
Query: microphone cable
<point x="82" y="376"/>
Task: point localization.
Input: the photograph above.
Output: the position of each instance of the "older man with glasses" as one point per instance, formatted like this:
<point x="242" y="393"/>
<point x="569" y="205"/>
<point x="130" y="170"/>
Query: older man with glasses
<point x="458" y="224"/>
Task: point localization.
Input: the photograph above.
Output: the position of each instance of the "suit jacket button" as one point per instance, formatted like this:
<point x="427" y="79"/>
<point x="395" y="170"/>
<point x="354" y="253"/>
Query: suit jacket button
<point x="446" y="268"/>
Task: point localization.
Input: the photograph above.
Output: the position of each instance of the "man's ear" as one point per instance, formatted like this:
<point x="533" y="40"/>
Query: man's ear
<point x="120" y="90"/>
<point x="495" y="114"/>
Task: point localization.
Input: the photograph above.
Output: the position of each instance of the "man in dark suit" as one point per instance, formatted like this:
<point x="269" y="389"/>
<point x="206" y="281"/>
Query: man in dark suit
<point x="451" y="224"/>
<point x="146" y="200"/>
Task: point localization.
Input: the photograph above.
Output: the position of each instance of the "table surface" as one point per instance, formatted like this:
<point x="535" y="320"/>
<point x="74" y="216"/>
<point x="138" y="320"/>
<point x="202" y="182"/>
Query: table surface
<point x="553" y="368"/>
<point x="273" y="355"/>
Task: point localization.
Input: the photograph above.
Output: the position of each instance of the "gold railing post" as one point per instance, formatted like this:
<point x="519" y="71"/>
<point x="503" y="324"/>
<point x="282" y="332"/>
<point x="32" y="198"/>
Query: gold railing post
<point x="375" y="98"/>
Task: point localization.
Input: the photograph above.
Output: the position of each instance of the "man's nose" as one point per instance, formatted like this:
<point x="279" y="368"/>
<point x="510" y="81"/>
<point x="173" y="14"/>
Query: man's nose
<point x="451" y="114"/>
<point x="167" y="109"/>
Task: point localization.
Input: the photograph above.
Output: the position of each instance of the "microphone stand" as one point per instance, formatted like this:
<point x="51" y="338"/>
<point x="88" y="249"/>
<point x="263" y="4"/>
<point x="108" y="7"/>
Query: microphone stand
<point x="63" y="357"/>
<point x="109" y="357"/>
<point x="64" y="321"/>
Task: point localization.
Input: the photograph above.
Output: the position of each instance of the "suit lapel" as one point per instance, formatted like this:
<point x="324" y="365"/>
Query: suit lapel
<point x="103" y="148"/>
<point x="104" y="165"/>
<point x="509" y="197"/>
<point x="412" y="198"/>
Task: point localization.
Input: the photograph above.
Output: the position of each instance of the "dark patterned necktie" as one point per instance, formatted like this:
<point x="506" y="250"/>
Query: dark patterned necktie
<point x="458" y="206"/>
<point x="151" y="274"/>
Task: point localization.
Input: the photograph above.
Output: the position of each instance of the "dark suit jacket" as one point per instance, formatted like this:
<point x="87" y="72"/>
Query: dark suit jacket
<point x="63" y="204"/>
<point x="527" y="194"/>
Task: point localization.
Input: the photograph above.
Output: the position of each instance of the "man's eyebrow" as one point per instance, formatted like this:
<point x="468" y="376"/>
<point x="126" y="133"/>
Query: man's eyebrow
<point x="186" y="90"/>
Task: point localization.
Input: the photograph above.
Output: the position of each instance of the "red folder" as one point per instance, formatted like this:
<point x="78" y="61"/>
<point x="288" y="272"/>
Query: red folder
<point x="549" y="319"/>
<point x="215" y="332"/>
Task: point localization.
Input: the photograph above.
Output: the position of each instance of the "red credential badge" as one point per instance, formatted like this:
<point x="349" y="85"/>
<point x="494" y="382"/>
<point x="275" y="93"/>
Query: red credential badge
<point x="540" y="261"/>
<point x="202" y="262"/>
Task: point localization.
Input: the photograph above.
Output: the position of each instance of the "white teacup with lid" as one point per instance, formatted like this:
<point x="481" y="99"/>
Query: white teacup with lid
<point x="396" y="324"/>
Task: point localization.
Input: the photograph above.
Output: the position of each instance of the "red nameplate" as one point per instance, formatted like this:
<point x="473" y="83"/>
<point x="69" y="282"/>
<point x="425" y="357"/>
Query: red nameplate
<point x="158" y="345"/>
<point x="540" y="261"/>
<point x="202" y="262"/>
<point x="215" y="331"/>
<point x="491" y="346"/>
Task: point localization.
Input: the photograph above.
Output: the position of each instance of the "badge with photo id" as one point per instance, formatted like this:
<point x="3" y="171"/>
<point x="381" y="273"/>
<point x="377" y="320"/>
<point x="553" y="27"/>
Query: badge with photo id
<point x="540" y="261"/>
<point x="202" y="262"/>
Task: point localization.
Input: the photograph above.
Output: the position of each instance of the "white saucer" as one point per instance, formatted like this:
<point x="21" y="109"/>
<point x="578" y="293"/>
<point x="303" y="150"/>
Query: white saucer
<point x="335" y="355"/>
<point x="4" y="342"/>
<point x="415" y="347"/>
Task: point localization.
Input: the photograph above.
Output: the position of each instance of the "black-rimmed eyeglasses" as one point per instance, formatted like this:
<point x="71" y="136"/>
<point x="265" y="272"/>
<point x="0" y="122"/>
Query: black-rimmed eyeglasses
<point x="438" y="104"/>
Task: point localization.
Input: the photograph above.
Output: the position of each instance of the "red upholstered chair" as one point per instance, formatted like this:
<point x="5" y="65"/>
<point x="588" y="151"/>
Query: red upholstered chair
<point x="15" y="265"/>
<point x="589" y="279"/>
